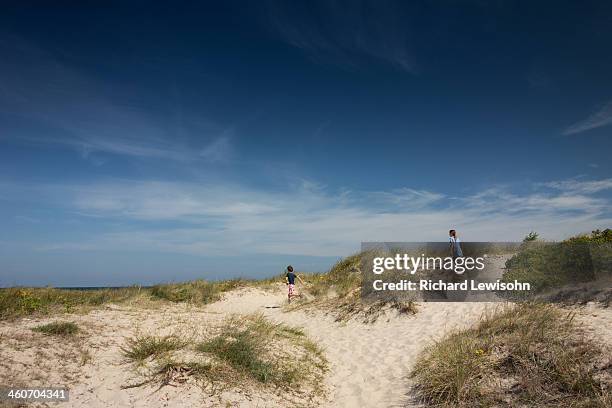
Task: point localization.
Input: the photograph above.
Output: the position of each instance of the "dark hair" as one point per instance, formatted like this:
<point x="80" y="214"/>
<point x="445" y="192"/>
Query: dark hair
<point x="290" y="268"/>
<point x="451" y="232"/>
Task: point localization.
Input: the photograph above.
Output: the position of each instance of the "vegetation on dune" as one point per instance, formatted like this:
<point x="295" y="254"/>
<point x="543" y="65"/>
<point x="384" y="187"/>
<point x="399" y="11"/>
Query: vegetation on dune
<point x="528" y="355"/>
<point x="18" y="302"/>
<point x="58" y="328"/>
<point x="546" y="265"/>
<point x="343" y="278"/>
<point x="198" y="291"/>
<point x="339" y="291"/>
<point x="241" y="352"/>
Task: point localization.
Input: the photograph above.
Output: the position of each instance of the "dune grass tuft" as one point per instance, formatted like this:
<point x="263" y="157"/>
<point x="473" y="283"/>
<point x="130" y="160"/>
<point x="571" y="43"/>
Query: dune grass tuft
<point x="249" y="347"/>
<point x="141" y="347"/>
<point x="528" y="355"/>
<point x="58" y="328"/>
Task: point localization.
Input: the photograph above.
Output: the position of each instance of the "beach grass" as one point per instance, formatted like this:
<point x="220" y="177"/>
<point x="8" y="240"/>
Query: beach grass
<point x="548" y="266"/>
<point x="197" y="291"/>
<point x="249" y="348"/>
<point x="58" y="328"/>
<point x="21" y="301"/>
<point x="339" y="292"/>
<point x="141" y="347"/>
<point x="525" y="355"/>
<point x="17" y="302"/>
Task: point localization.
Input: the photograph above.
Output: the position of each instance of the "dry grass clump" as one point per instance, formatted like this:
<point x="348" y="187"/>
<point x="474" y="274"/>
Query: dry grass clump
<point x="58" y="328"/>
<point x="139" y="348"/>
<point x="243" y="353"/>
<point x="370" y="310"/>
<point x="528" y="355"/>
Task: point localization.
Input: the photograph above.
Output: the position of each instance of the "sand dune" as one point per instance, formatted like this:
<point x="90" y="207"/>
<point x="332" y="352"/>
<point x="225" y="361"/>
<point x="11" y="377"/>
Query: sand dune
<point x="369" y="363"/>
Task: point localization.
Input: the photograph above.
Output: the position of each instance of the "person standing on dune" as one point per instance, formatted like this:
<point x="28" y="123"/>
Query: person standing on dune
<point x="455" y="244"/>
<point x="290" y="281"/>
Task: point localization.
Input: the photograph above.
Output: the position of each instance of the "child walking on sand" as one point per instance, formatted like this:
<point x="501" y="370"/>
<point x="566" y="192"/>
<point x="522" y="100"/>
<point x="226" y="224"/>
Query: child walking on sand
<point x="290" y="281"/>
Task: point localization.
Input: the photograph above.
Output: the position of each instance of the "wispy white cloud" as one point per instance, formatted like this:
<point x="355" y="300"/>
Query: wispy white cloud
<point x="603" y="117"/>
<point x="223" y="219"/>
<point x="405" y="198"/>
<point x="66" y="108"/>
<point x="502" y="201"/>
<point x="343" y="32"/>
<point x="581" y="186"/>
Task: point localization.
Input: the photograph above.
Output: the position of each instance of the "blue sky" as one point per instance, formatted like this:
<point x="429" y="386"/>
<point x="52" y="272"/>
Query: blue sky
<point x="142" y="143"/>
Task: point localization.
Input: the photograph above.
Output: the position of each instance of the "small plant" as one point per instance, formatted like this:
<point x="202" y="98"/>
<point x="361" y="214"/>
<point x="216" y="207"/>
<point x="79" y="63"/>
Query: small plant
<point x="58" y="328"/>
<point x="532" y="236"/>
<point x="140" y="347"/>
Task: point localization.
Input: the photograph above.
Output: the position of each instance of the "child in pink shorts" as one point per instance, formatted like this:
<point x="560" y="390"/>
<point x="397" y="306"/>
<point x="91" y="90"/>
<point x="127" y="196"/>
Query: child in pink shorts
<point x="290" y="281"/>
